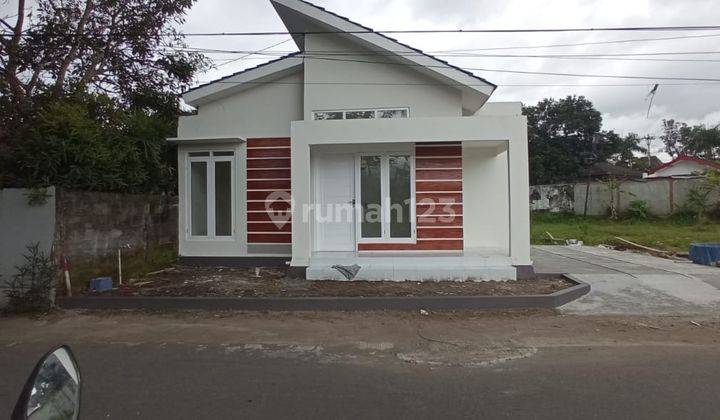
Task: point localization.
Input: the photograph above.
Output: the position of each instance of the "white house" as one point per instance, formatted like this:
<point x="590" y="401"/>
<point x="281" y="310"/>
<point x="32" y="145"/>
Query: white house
<point x="683" y="166"/>
<point x="356" y="150"/>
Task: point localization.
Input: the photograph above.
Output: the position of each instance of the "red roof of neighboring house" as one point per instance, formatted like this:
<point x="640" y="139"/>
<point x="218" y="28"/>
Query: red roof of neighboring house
<point x="687" y="158"/>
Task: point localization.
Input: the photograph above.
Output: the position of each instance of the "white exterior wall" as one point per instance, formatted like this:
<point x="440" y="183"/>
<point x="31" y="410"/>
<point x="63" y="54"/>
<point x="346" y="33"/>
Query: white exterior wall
<point x="486" y="221"/>
<point x="375" y="85"/>
<point x="492" y="133"/>
<point x="263" y="111"/>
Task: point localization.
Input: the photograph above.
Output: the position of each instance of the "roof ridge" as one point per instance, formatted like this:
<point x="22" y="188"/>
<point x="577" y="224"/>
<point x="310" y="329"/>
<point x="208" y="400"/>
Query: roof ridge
<point x="371" y="30"/>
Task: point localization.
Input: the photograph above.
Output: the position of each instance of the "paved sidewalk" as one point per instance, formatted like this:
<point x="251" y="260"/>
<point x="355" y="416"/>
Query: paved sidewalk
<point x="631" y="283"/>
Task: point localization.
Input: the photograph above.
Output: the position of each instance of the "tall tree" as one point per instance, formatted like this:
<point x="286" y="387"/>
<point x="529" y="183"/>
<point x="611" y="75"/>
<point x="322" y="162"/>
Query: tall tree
<point x="565" y="136"/>
<point x="127" y="50"/>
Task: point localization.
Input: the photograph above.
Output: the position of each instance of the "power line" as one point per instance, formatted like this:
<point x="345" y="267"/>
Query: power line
<point x="255" y="52"/>
<point x="440" y="31"/>
<point x="457" y="31"/>
<point x="696" y="79"/>
<point x="644" y="85"/>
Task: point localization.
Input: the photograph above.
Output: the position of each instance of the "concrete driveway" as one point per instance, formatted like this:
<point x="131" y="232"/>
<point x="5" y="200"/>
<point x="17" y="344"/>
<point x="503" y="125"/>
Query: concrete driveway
<point x="632" y="284"/>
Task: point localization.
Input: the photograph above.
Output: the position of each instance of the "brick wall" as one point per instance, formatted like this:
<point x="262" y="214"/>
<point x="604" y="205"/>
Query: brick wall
<point x="94" y="224"/>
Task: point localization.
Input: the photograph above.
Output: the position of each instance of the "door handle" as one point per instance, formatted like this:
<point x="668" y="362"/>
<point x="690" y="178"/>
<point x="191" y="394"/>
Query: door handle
<point x="351" y="202"/>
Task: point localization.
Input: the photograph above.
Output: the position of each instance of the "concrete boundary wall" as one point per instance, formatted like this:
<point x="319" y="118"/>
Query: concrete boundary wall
<point x="663" y="196"/>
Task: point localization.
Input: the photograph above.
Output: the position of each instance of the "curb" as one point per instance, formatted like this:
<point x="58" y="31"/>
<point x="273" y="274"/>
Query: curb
<point x="552" y="300"/>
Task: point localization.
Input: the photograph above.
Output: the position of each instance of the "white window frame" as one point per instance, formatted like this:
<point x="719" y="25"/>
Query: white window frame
<point x="210" y="161"/>
<point x="374" y="110"/>
<point x="385" y="201"/>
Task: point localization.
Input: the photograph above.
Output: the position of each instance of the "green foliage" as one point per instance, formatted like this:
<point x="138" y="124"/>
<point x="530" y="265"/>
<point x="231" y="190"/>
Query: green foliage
<point x="565" y="137"/>
<point x="698" y="140"/>
<point x="696" y="206"/>
<point x="638" y="209"/>
<point x="37" y="196"/>
<point x="31" y="288"/>
<point x="93" y="143"/>
<point x="59" y="67"/>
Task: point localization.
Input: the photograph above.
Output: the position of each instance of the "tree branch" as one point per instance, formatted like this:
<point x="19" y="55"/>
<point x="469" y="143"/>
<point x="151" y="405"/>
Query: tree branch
<point x="72" y="54"/>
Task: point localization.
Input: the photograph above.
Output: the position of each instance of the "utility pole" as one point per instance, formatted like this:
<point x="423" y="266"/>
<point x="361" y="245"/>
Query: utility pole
<point x="648" y="142"/>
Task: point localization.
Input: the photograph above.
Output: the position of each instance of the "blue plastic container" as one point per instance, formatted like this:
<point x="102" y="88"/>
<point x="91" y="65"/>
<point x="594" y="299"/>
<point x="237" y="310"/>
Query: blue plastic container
<point x="705" y="254"/>
<point x="101" y="284"/>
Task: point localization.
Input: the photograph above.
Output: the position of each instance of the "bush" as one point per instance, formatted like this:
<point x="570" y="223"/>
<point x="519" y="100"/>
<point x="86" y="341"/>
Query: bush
<point x="696" y="206"/>
<point x="93" y="143"/>
<point x="31" y="288"/>
<point x="638" y="209"/>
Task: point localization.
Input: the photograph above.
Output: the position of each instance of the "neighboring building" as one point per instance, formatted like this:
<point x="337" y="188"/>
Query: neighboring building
<point x="683" y="166"/>
<point x="359" y="130"/>
<point x="605" y="170"/>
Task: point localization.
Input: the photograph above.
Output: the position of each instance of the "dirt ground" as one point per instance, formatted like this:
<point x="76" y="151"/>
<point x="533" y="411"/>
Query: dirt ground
<point x="272" y="282"/>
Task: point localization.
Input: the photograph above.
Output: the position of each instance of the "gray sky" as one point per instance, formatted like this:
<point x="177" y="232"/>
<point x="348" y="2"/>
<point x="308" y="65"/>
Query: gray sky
<point x="624" y="108"/>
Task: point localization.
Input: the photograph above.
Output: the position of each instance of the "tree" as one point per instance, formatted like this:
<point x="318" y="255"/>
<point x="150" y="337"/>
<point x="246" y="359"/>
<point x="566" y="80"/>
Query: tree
<point x="698" y="140"/>
<point x="674" y="137"/>
<point x="565" y="136"/>
<point x="127" y="50"/>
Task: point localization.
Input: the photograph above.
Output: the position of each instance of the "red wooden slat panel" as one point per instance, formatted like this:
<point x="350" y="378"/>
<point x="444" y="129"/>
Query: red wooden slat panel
<point x="269" y="217"/>
<point x="262" y="153"/>
<point x="428" y="245"/>
<point x="279" y="238"/>
<point x="269" y="227"/>
<point x="263" y="195"/>
<point x="440" y="221"/>
<point x="438" y="143"/>
<point x="268" y="163"/>
<point x="438" y="163"/>
<point x="438" y="174"/>
<point x="439" y="210"/>
<point x="438" y="186"/>
<point x="269" y="174"/>
<point x="268" y="205"/>
<point x="443" y="233"/>
<point x="268" y="185"/>
<point x="269" y="142"/>
<point x="438" y="197"/>
<point x="439" y="151"/>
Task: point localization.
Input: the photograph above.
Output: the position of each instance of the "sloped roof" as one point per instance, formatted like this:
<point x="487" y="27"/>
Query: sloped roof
<point x="297" y="14"/>
<point x="243" y="79"/>
<point x="686" y="158"/>
<point x="603" y="169"/>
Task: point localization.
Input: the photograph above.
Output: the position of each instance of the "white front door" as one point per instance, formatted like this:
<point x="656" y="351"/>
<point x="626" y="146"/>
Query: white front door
<point x="335" y="194"/>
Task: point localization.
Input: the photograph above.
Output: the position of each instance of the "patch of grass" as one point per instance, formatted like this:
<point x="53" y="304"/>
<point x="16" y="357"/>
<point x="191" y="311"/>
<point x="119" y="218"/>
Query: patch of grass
<point x="134" y="265"/>
<point x="672" y="234"/>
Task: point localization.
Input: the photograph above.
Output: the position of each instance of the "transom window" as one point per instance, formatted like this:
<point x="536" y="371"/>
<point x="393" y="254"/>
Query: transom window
<point x="210" y="192"/>
<point x="361" y="114"/>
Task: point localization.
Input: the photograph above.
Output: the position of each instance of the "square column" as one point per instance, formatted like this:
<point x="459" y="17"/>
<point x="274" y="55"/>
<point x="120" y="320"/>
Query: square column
<point x="519" y="182"/>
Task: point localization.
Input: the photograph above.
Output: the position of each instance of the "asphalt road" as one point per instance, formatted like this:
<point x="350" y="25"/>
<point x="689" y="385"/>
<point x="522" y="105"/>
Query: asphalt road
<point x="189" y="381"/>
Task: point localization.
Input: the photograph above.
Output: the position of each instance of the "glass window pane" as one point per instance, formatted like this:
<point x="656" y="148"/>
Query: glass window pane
<point x="354" y="115"/>
<point x="223" y="153"/>
<point x="400" y="216"/>
<point x="328" y="115"/>
<point x="392" y="113"/>
<point x="371" y="197"/>
<point x="198" y="198"/>
<point x="198" y="154"/>
<point x="223" y="199"/>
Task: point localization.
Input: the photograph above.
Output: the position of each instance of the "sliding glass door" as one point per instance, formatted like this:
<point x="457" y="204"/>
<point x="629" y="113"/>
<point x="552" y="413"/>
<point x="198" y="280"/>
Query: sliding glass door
<point x="386" y="197"/>
<point x="210" y="194"/>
